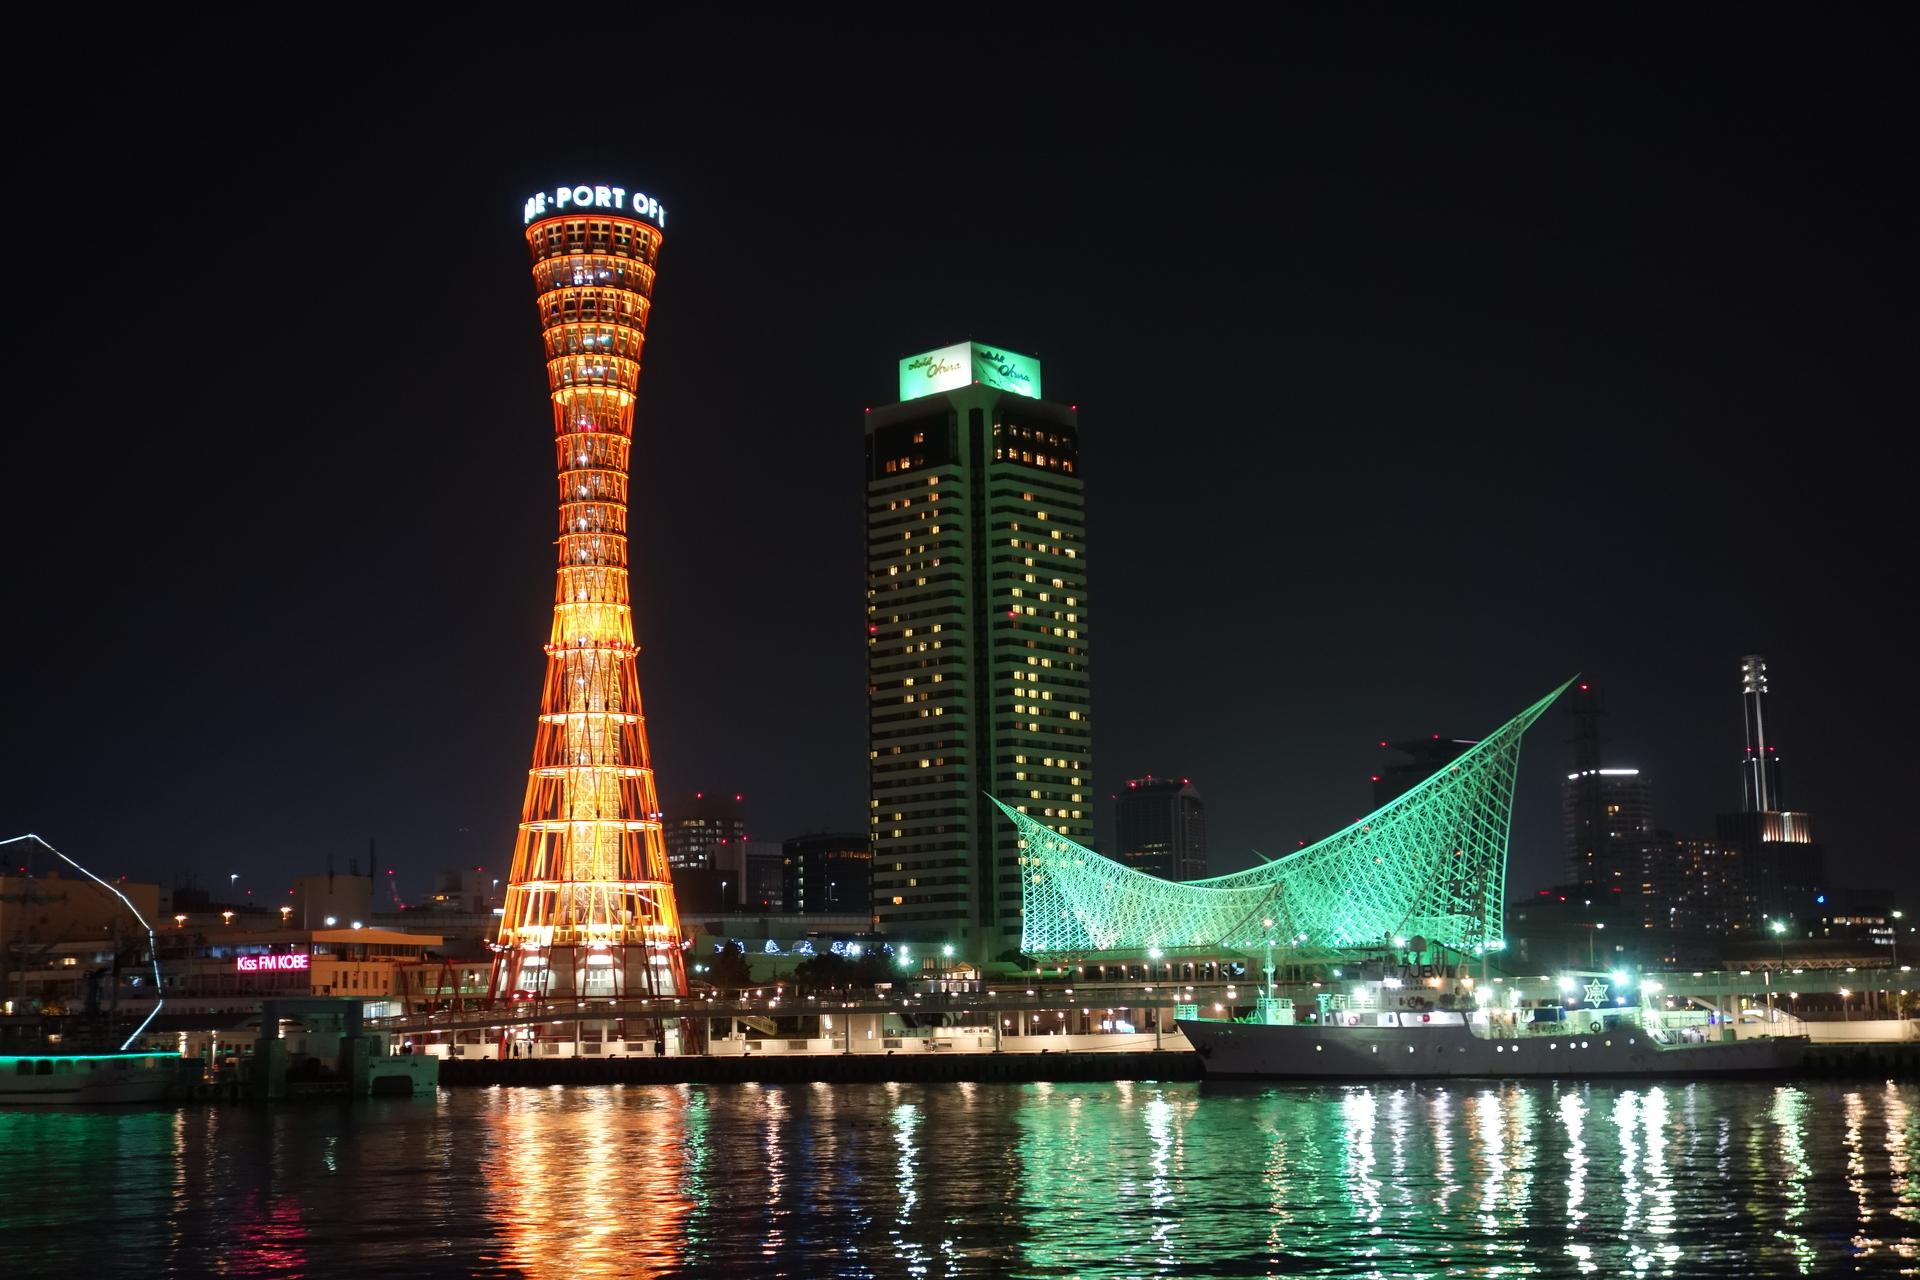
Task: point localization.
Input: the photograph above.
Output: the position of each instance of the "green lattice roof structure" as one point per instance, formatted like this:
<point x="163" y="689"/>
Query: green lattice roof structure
<point x="1431" y="864"/>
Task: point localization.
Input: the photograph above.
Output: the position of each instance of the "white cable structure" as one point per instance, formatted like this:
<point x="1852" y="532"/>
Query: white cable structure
<point x="153" y="943"/>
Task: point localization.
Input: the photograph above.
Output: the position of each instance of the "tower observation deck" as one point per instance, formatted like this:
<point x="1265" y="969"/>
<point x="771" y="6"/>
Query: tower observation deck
<point x="589" y="910"/>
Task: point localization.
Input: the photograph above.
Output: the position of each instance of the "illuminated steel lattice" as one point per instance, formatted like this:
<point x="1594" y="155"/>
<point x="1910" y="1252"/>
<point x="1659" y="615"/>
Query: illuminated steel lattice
<point x="589" y="911"/>
<point x="1433" y="863"/>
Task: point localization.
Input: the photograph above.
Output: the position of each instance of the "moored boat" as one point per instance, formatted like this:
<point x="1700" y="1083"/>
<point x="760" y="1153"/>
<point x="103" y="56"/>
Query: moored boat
<point x="1450" y="1044"/>
<point x="85" y="1079"/>
<point x="1431" y="1021"/>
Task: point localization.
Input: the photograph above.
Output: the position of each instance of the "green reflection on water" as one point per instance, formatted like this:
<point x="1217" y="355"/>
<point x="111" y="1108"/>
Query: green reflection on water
<point x="1435" y="1179"/>
<point x="1140" y="1179"/>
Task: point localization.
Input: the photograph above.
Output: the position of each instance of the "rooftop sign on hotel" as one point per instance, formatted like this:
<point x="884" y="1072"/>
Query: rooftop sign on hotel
<point x="965" y="363"/>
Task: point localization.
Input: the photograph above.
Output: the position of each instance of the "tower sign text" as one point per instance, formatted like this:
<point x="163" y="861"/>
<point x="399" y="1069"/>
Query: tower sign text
<point x="543" y="204"/>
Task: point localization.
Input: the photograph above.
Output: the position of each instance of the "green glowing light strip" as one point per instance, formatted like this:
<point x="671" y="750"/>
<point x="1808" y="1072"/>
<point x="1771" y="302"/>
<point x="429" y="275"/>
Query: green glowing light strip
<point x="1433" y="863"/>
<point x="81" y="1057"/>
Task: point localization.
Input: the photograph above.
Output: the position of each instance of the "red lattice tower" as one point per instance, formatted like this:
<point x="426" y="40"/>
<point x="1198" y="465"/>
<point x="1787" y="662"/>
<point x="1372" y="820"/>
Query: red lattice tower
<point x="589" y="912"/>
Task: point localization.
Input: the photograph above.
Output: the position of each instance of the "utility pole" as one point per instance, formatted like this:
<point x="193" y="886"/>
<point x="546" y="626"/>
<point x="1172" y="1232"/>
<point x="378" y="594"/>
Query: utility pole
<point x="26" y="899"/>
<point x="113" y="998"/>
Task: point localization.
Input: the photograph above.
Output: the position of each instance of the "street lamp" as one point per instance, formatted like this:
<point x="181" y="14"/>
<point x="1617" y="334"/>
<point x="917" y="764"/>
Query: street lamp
<point x="1779" y="928"/>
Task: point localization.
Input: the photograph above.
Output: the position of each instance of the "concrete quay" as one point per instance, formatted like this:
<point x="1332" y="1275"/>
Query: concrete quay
<point x="1898" y="1060"/>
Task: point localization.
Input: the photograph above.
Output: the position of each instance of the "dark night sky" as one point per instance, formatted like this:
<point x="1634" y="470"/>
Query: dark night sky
<point x="1419" y="367"/>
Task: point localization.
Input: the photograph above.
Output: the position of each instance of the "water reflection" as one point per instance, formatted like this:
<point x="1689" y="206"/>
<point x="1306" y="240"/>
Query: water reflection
<point x="588" y="1182"/>
<point x="1573" y="1119"/>
<point x="1141" y="1179"/>
<point x="1897" y="1143"/>
<point x="1789" y="1109"/>
<point x="905" y="1118"/>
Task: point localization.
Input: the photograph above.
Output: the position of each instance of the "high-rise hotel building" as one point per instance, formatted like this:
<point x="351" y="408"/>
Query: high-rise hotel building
<point x="976" y="641"/>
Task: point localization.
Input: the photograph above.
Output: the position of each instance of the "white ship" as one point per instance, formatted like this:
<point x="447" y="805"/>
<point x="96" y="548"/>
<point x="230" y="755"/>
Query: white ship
<point x="1416" y="1025"/>
<point x="85" y="1079"/>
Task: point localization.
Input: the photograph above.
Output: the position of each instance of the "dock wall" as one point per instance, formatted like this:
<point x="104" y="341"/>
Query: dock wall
<point x="1879" y="1060"/>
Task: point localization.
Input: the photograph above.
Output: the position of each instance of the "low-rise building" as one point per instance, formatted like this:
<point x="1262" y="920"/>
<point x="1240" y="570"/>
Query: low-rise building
<point x="288" y="962"/>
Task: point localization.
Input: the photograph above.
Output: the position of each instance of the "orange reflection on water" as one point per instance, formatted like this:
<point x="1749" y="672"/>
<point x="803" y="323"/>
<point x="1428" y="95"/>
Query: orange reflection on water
<point x="588" y="1182"/>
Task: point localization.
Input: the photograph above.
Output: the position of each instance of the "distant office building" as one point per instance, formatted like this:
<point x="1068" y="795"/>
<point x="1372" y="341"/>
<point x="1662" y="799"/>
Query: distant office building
<point x="1426" y="757"/>
<point x="698" y="828"/>
<point x="1785" y="870"/>
<point x="763" y="880"/>
<point x="1612" y="851"/>
<point x="1607" y="818"/>
<point x="332" y="901"/>
<point x="464" y="891"/>
<point x="1569" y="925"/>
<point x="828" y="874"/>
<point x="977" y="641"/>
<point x="1692" y="885"/>
<point x="746" y="875"/>
<point x="1606" y="814"/>
<point x="1160" y="827"/>
<point x="702" y="891"/>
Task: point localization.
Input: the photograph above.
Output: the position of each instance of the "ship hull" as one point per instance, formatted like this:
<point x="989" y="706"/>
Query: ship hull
<point x="1244" y="1051"/>
<point x="142" y="1080"/>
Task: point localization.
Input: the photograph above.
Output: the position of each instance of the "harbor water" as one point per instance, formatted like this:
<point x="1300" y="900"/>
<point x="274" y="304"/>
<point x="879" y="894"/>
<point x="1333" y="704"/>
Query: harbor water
<point x="1464" y="1178"/>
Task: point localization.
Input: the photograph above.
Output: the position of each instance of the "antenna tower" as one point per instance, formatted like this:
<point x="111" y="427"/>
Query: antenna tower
<point x="1760" y="770"/>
